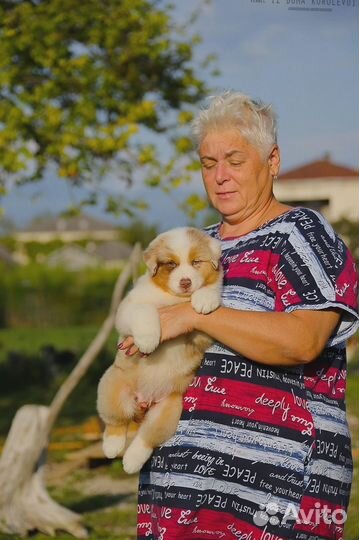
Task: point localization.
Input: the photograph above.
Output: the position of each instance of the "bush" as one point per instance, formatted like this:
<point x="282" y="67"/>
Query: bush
<point x="32" y="372"/>
<point x="44" y="297"/>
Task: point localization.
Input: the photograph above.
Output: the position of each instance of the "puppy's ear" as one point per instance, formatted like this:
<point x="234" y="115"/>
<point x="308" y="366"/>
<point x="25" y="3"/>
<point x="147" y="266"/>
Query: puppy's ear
<point x="150" y="258"/>
<point x="216" y="251"/>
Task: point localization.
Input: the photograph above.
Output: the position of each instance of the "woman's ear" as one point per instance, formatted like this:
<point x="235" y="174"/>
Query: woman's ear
<point x="274" y="160"/>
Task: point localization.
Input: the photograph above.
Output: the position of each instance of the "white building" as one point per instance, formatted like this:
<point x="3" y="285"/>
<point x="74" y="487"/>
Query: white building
<point x="322" y="185"/>
<point x="67" y="229"/>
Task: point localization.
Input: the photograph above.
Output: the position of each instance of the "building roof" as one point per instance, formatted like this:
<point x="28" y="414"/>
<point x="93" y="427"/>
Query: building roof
<point x="322" y="168"/>
<point x="76" y="223"/>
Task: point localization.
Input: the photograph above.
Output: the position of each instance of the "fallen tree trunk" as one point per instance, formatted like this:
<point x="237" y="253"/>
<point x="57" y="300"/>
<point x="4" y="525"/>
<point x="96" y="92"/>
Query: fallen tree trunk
<point x="25" y="504"/>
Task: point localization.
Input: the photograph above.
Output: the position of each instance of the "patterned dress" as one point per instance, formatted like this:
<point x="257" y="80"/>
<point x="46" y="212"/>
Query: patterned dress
<point x="263" y="452"/>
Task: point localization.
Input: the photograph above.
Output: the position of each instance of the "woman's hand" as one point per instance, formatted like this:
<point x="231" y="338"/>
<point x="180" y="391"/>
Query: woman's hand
<point x="175" y="321"/>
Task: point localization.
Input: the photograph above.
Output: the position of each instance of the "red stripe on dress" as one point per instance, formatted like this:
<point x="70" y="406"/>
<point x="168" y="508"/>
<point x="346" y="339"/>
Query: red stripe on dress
<point x="323" y="518"/>
<point x="203" y="523"/>
<point x="330" y="382"/>
<point x="252" y="264"/>
<point x="255" y="402"/>
<point x="345" y="291"/>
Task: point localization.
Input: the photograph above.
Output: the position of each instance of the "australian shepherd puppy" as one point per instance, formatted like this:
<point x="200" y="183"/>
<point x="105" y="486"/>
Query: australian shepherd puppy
<point x="183" y="265"/>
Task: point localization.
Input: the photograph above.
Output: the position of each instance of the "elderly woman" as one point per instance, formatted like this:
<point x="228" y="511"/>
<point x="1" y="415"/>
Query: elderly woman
<point x="262" y="450"/>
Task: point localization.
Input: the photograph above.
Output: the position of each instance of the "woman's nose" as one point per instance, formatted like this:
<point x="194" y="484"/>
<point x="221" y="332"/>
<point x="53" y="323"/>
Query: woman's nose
<point x="221" y="173"/>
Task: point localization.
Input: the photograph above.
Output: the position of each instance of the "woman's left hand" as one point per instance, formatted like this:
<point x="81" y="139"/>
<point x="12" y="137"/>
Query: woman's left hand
<point x="174" y="320"/>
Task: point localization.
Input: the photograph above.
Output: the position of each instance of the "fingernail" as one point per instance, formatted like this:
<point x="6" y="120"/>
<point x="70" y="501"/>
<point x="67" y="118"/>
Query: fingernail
<point x="120" y="345"/>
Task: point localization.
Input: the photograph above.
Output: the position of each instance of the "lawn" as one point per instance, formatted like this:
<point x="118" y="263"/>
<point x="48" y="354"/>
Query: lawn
<point x="103" y="494"/>
<point x="352" y="526"/>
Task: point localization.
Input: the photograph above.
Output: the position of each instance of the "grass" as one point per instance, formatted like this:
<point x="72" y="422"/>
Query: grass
<point x="106" y="517"/>
<point x="30" y="340"/>
<point x="352" y="396"/>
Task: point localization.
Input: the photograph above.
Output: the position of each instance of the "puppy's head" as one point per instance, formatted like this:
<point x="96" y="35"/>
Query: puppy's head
<point x="183" y="260"/>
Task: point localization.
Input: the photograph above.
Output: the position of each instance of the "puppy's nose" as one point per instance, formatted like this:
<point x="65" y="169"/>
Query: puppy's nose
<point x="185" y="283"/>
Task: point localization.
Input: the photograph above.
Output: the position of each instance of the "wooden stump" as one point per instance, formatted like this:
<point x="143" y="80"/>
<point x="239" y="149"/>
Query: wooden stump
<point x="25" y="504"/>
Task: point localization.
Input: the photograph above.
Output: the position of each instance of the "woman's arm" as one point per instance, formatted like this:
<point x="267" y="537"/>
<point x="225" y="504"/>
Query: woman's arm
<point x="269" y="338"/>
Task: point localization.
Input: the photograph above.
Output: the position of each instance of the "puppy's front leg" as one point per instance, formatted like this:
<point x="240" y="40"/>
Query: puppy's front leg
<point x="159" y="425"/>
<point x="142" y="322"/>
<point x="206" y="299"/>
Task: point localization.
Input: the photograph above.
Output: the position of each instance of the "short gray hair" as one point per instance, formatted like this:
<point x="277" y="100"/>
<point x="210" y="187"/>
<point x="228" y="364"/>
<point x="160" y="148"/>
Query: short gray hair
<point x="254" y="120"/>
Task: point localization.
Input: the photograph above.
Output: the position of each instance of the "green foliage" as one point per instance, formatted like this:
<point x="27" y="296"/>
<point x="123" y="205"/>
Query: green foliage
<point x="83" y="84"/>
<point x="29" y="341"/>
<point x="349" y="231"/>
<point x="210" y="216"/>
<point x="34" y="249"/>
<point x="193" y="204"/>
<point x="36" y="295"/>
<point x="138" y="231"/>
<point x="40" y="359"/>
<point x="8" y="242"/>
<point x="352" y="393"/>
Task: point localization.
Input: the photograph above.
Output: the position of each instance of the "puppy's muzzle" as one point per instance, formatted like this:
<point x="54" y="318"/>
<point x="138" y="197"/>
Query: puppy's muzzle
<point x="185" y="284"/>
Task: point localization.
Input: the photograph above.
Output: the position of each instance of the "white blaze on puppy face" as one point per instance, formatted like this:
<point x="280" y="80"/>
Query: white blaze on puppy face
<point x="183" y="260"/>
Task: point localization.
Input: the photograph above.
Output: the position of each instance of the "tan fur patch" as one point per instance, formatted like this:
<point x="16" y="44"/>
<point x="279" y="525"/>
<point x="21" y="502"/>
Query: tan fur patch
<point x="150" y="254"/>
<point x="195" y="235"/>
<point x="203" y="253"/>
<point x="164" y="258"/>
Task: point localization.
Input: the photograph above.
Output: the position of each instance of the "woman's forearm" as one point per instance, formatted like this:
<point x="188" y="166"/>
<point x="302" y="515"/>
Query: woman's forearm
<point x="270" y="338"/>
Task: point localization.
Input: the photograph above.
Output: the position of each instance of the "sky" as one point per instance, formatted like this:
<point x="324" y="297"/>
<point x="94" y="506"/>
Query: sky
<point x="300" y="55"/>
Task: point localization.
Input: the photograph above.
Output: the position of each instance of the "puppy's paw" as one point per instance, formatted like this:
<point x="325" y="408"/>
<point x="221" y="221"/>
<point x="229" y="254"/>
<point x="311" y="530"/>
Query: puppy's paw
<point x="136" y="456"/>
<point x="113" y="445"/>
<point x="205" y="300"/>
<point x="147" y="342"/>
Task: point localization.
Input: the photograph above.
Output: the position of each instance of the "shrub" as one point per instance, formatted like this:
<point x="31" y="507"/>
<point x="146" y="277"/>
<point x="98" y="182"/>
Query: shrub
<point x="39" y="296"/>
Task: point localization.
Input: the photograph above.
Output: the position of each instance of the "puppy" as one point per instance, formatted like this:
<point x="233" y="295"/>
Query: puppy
<point x="183" y="265"/>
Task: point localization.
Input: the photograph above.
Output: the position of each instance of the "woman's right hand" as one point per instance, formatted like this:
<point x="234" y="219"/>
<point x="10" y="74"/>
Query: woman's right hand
<point x="175" y="320"/>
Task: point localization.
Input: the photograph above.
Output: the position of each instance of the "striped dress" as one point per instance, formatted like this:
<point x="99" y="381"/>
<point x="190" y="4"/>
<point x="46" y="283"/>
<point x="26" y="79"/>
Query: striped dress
<point x="263" y="452"/>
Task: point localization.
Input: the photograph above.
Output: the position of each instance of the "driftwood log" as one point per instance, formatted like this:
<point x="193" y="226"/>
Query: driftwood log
<point x="25" y="504"/>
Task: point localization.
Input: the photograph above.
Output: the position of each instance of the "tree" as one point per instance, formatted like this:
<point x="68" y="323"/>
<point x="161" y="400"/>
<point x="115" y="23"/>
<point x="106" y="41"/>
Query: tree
<point x="87" y="87"/>
<point x="138" y="231"/>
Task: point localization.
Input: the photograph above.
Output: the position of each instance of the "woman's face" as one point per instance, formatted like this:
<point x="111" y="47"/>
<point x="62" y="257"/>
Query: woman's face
<point x="237" y="179"/>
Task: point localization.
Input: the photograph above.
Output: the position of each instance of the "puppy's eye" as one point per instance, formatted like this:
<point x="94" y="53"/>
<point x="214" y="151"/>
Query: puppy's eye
<point x="170" y="265"/>
<point x="196" y="263"/>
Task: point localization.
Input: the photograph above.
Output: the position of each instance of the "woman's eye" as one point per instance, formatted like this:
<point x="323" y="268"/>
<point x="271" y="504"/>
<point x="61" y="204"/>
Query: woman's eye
<point x="207" y="164"/>
<point x="235" y="163"/>
<point x="196" y="263"/>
